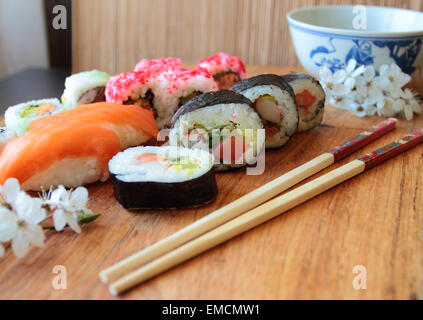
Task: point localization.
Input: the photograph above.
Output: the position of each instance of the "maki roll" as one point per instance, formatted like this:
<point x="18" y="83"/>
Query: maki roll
<point x="6" y="135"/>
<point x="274" y="101"/>
<point x="162" y="177"/>
<point x="84" y="87"/>
<point x="159" y="65"/>
<point x="176" y="87"/>
<point x="226" y="69"/>
<point x="132" y="88"/>
<point x="310" y="98"/>
<point x="20" y="116"/>
<point x="223" y="122"/>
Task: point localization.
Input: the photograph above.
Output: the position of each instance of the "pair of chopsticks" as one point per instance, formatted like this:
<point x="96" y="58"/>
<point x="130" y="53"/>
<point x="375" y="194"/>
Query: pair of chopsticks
<point x="252" y="209"/>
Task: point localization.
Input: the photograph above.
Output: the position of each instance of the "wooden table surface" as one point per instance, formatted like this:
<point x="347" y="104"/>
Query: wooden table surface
<point x="374" y="220"/>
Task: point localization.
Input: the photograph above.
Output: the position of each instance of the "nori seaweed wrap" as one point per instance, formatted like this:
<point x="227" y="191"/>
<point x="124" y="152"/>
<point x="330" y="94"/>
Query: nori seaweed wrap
<point x="163" y="178"/>
<point x="274" y="101"/>
<point x="223" y="122"/>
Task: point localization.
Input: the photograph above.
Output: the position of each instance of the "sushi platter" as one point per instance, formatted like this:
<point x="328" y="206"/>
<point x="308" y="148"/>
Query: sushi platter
<point x="308" y="252"/>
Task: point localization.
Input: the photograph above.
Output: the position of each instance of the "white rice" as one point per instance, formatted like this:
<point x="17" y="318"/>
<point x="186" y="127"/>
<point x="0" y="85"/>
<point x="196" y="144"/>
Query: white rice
<point x="6" y="135"/>
<point x="77" y="84"/>
<point x="217" y="115"/>
<point x="312" y="118"/>
<point x="124" y="165"/>
<point x="289" y="122"/>
<point x="166" y="97"/>
<point x="70" y="172"/>
<point x="20" y="124"/>
<point x="128" y="135"/>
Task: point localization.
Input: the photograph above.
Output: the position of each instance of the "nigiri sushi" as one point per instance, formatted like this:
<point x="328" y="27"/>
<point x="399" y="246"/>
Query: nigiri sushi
<point x="59" y="154"/>
<point x="133" y="125"/>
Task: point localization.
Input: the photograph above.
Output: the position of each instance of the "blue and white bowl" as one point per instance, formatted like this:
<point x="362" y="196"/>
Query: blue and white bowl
<point x="332" y="35"/>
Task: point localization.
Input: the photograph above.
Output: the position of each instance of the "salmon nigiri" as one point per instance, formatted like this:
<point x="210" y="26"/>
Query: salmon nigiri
<point x="59" y="154"/>
<point x="133" y="125"/>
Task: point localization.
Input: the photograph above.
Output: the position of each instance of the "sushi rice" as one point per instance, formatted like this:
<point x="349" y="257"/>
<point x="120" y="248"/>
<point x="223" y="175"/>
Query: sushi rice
<point x="310" y="99"/>
<point x="6" y="135"/>
<point x="84" y="87"/>
<point x="19" y="117"/>
<point x="166" y="177"/>
<point x="172" y="164"/>
<point x="274" y="101"/>
<point x="212" y="120"/>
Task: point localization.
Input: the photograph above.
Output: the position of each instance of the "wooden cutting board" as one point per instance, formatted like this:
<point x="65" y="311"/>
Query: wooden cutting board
<point x="374" y="220"/>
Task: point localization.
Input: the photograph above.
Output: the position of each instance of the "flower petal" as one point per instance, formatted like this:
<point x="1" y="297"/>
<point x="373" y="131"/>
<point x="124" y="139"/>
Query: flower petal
<point x="73" y="223"/>
<point x="408" y="113"/>
<point x="8" y="224"/>
<point x="383" y="69"/>
<point x="79" y="197"/>
<point x="35" y="234"/>
<point x="58" y="195"/>
<point x="325" y="75"/>
<point x="351" y="65"/>
<point x="369" y="73"/>
<point x="59" y="219"/>
<point x="10" y="190"/>
<point x="339" y="76"/>
<point x="20" y="244"/>
<point x="29" y="209"/>
<point x="358" y="71"/>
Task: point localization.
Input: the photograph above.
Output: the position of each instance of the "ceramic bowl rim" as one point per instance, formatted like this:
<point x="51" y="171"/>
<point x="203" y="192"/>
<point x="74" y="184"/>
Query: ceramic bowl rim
<point x="319" y="30"/>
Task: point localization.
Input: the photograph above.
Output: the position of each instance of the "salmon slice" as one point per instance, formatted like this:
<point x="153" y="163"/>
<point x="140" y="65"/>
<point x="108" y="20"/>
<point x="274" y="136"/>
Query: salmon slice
<point x="133" y="124"/>
<point x="37" y="151"/>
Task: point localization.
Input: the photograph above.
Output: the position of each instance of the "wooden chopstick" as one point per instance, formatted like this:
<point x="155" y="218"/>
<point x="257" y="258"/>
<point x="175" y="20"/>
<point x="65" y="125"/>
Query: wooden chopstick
<point x="247" y="202"/>
<point x="264" y="212"/>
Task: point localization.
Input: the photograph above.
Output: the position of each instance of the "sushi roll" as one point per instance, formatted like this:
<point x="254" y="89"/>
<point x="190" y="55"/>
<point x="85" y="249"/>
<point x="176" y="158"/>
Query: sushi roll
<point x="6" y="135"/>
<point x="310" y="98"/>
<point x="159" y="65"/>
<point x="223" y="122"/>
<point x="57" y="154"/>
<point x="19" y="117"/>
<point x="163" y="178"/>
<point x="176" y="87"/>
<point x="226" y="69"/>
<point x="132" y="124"/>
<point x="274" y="101"/>
<point x="84" y="87"/>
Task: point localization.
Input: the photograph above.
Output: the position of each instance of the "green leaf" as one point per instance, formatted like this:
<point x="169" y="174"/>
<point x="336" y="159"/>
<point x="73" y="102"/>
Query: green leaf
<point x="87" y="218"/>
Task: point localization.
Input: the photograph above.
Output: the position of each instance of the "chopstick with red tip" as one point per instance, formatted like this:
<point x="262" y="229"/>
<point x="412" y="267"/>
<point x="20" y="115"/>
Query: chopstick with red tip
<point x="247" y="202"/>
<point x="265" y="212"/>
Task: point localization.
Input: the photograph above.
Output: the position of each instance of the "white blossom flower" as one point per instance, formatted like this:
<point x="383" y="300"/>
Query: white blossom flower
<point x="337" y="83"/>
<point x="352" y="71"/>
<point x="408" y="104"/>
<point x="19" y="219"/>
<point x="363" y="92"/>
<point x="371" y="86"/>
<point x="66" y="206"/>
<point x="387" y="107"/>
<point x="395" y="78"/>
